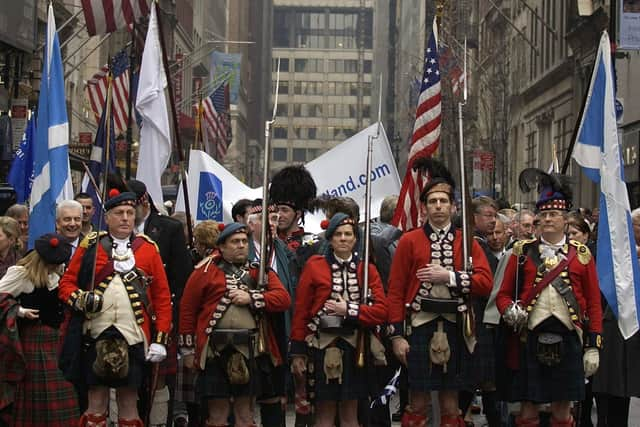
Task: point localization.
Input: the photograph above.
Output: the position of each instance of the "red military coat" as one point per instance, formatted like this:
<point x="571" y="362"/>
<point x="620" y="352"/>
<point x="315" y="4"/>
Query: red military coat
<point x="582" y="274"/>
<point x="204" y="290"/>
<point x="314" y="289"/>
<point x="414" y="252"/>
<point x="148" y="260"/>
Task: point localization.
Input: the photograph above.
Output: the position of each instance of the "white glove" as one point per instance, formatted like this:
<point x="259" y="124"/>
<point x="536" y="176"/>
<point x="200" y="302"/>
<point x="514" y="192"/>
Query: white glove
<point x="157" y="353"/>
<point x="591" y="360"/>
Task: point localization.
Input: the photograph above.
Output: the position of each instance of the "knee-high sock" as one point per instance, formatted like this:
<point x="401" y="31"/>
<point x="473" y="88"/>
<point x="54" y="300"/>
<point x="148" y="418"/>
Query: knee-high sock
<point x="490" y="407"/>
<point x="272" y="414"/>
<point x="464" y="400"/>
<point x="160" y="408"/>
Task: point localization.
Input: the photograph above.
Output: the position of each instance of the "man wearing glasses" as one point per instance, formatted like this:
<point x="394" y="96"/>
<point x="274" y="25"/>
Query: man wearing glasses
<point x="551" y="300"/>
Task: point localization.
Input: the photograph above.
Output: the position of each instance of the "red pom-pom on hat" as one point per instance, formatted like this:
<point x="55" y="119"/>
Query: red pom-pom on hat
<point x="53" y="242"/>
<point x="114" y="192"/>
<point x="220" y="226"/>
<point x="324" y="224"/>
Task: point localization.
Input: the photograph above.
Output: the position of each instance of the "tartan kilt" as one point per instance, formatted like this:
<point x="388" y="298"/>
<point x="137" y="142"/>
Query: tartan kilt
<point x="483" y="359"/>
<point x="562" y="382"/>
<point x="354" y="379"/>
<point x="213" y="382"/>
<point x="137" y="364"/>
<point x="425" y="377"/>
<point x="169" y="366"/>
<point x="44" y="397"/>
<point x="185" y="390"/>
<point x="511" y="384"/>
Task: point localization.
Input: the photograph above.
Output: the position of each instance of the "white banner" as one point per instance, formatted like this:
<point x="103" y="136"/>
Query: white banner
<point x="340" y="171"/>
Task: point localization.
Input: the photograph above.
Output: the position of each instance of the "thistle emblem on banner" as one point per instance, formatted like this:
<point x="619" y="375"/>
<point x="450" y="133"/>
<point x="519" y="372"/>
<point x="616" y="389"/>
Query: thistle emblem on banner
<point x="209" y="198"/>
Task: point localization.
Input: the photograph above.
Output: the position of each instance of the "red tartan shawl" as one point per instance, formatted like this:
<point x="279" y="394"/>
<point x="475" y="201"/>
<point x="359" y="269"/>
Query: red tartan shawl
<point x="12" y="364"/>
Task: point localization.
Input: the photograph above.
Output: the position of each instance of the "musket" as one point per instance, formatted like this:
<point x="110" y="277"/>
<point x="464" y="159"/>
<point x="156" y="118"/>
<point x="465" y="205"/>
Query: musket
<point x="361" y="348"/>
<point x="467" y="217"/>
<point x="265" y="242"/>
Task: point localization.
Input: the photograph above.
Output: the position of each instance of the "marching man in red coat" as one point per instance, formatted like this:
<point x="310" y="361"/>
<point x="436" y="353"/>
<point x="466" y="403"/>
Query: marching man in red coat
<point x="429" y="310"/>
<point x="223" y="332"/>
<point x="127" y="310"/>
<point x="550" y="297"/>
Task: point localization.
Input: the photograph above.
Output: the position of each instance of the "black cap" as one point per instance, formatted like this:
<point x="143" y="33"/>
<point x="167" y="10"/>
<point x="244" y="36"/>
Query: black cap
<point x="53" y="248"/>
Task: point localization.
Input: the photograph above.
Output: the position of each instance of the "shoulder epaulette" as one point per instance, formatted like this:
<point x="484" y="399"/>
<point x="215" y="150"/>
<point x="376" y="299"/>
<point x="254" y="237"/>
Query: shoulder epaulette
<point x="518" y="247"/>
<point x="91" y="239"/>
<point x="148" y="239"/>
<point x="583" y="252"/>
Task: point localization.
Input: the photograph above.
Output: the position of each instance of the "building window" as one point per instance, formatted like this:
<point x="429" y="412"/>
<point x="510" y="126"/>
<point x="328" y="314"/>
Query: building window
<point x="367" y="66"/>
<point x="283" y="88"/>
<point x="284" y="65"/>
<point x="307" y="88"/>
<point x="282" y="21"/>
<point x="279" y="154"/>
<point x="531" y="151"/>
<point x="366" y="89"/>
<point x="312" y="133"/>
<point x="299" y="155"/>
<point x="280" y="132"/>
<point x="283" y="110"/>
<point x="308" y="65"/>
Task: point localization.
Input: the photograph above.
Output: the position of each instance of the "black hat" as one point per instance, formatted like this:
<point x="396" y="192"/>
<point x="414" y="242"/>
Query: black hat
<point x="53" y="248"/>
<point x="116" y="198"/>
<point x="229" y="229"/>
<point x="292" y="186"/>
<point x="139" y="188"/>
<point x="554" y="188"/>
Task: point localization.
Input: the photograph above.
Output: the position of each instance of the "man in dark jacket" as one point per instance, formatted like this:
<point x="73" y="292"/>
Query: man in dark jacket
<point x="168" y="234"/>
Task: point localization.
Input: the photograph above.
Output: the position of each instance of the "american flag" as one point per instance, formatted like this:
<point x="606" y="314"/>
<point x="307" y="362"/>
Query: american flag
<point x="449" y="67"/>
<point x="217" y="119"/>
<point x="107" y="16"/>
<point x="97" y="91"/>
<point x="425" y="139"/>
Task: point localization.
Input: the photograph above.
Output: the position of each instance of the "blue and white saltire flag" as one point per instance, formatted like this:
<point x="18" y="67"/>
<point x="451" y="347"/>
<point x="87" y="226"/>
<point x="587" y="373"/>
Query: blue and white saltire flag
<point x="151" y="103"/>
<point x="389" y="390"/>
<point x="21" y="173"/>
<point x="597" y="150"/>
<point x="52" y="182"/>
<point x="96" y="162"/>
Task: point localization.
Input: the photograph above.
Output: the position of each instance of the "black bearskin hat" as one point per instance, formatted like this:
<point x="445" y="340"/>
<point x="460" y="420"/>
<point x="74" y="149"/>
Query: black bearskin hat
<point x="292" y="186"/>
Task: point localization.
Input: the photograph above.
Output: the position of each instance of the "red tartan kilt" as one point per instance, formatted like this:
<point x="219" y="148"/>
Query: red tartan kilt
<point x="44" y="397"/>
<point x="169" y="366"/>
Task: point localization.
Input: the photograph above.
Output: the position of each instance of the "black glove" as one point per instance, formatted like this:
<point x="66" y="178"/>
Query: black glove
<point x="89" y="302"/>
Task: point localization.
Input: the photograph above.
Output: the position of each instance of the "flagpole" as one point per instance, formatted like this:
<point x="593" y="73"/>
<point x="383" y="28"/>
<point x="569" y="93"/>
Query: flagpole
<point x="132" y="60"/>
<point x="106" y="157"/>
<point x="176" y="128"/>
<point x="464" y="191"/>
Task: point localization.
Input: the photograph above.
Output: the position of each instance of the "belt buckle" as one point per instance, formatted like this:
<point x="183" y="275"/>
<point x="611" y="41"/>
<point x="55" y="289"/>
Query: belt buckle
<point x="130" y="276"/>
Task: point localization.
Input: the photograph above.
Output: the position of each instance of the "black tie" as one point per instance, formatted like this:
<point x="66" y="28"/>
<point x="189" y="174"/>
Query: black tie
<point x="441" y="234"/>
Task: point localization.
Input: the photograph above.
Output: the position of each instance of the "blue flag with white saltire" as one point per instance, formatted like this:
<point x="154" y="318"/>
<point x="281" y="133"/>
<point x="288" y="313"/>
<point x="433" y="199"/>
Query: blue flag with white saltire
<point x="597" y="150"/>
<point x="96" y="163"/>
<point x="52" y="182"/>
<point x="389" y="390"/>
<point x="21" y="173"/>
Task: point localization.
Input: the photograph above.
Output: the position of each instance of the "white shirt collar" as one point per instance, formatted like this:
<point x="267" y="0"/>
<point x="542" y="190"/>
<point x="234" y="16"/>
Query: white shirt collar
<point x="446" y="228"/>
